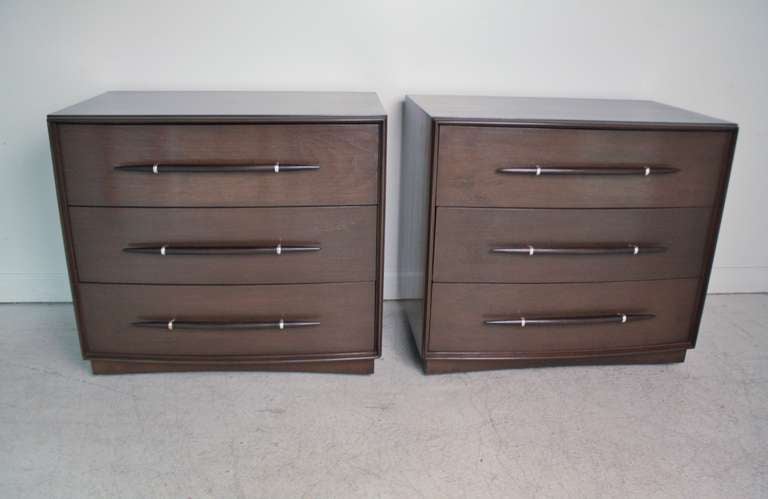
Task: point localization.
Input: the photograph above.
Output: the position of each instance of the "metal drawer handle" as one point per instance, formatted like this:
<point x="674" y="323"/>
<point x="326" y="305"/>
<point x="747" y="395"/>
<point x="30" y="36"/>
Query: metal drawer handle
<point x="168" y="250"/>
<point x="157" y="169"/>
<point x="175" y="324"/>
<point x="631" y="249"/>
<point x="537" y="170"/>
<point x="615" y="318"/>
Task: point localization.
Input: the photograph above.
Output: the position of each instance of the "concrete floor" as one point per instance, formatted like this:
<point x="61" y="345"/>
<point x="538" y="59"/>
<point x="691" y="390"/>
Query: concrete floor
<point x="697" y="429"/>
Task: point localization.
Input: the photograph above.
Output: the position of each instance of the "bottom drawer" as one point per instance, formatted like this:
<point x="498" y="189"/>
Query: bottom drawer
<point x="133" y="320"/>
<point x="520" y="319"/>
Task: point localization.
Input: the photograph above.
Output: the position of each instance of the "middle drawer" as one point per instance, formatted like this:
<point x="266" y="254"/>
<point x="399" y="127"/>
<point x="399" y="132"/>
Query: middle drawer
<point x="569" y="245"/>
<point x="225" y="245"/>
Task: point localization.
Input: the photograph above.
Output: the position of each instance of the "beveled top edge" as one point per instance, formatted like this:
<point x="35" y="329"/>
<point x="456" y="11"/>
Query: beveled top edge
<point x="133" y="105"/>
<point x="549" y="110"/>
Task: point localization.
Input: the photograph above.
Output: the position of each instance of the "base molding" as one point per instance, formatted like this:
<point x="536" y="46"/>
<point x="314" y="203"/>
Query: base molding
<point x="354" y="366"/>
<point x="446" y="366"/>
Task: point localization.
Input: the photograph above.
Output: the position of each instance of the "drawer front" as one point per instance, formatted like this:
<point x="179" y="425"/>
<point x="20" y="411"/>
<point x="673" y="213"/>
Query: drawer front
<point x="228" y="320"/>
<point x="347" y="157"/>
<point x="495" y="245"/>
<point x="225" y="245"/>
<point x="469" y="160"/>
<point x="586" y="316"/>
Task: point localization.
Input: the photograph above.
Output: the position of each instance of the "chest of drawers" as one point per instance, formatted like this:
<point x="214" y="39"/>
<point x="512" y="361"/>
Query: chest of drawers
<point x="224" y="230"/>
<point x="557" y="231"/>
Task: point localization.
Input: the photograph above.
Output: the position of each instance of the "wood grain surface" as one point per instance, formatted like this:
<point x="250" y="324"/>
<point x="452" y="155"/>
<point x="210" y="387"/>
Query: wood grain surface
<point x="346" y="237"/>
<point x="459" y="312"/>
<point x="470" y="156"/>
<point x="345" y="312"/>
<point x="466" y="236"/>
<point x="347" y="154"/>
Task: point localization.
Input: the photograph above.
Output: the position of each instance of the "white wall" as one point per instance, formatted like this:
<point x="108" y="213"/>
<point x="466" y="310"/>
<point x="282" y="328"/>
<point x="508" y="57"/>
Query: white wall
<point x="709" y="56"/>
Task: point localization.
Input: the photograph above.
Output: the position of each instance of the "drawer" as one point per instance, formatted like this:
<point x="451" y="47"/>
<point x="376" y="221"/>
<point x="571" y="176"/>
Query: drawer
<point x="563" y="318"/>
<point x="571" y="245"/>
<point x="220" y="165"/>
<point x="228" y="320"/>
<point x="605" y="168"/>
<point x="224" y="245"/>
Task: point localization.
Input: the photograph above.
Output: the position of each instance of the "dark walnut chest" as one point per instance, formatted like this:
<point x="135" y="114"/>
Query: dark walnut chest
<point x="557" y="231"/>
<point x="224" y="230"/>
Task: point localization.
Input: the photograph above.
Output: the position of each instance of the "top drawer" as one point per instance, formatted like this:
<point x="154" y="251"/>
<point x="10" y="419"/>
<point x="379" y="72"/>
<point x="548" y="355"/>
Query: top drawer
<point x="603" y="168"/>
<point x="347" y="156"/>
